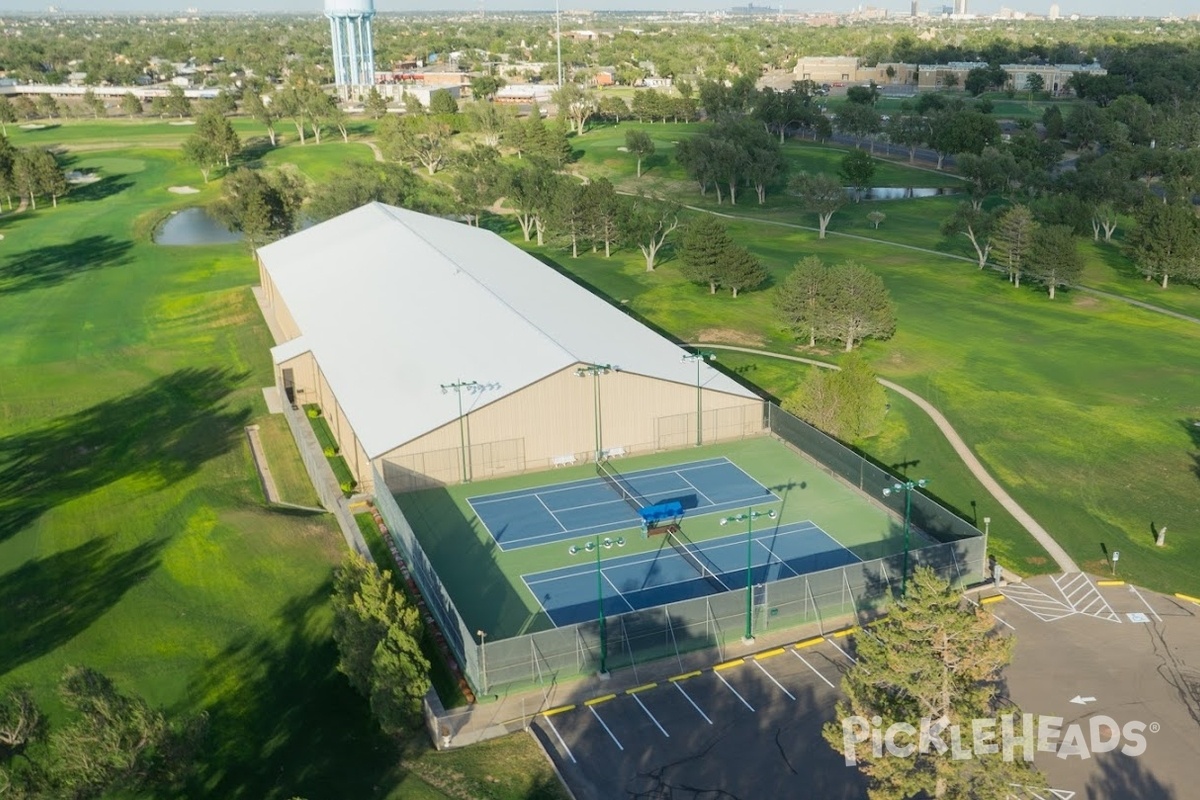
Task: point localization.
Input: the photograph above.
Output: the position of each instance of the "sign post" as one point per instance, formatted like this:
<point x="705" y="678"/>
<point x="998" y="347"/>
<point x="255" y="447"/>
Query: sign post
<point x="1116" y="557"/>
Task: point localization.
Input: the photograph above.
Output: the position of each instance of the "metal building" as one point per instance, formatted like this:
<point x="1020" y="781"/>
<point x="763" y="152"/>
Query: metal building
<point x="353" y="50"/>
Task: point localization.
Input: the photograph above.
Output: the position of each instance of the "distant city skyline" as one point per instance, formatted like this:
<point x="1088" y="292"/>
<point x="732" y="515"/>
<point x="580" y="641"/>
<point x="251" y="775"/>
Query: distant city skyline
<point x="896" y="8"/>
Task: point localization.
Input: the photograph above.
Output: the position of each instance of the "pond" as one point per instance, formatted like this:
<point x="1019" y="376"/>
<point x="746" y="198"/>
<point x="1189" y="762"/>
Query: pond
<point x="194" y="226"/>
<point x="904" y="192"/>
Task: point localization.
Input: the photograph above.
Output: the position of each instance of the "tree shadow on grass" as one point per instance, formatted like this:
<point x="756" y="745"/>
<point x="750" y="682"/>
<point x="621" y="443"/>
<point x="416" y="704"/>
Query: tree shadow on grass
<point x="107" y="186"/>
<point x="1192" y="427"/>
<point x="48" y="601"/>
<point x="56" y="263"/>
<point x="162" y="432"/>
<point x="284" y="722"/>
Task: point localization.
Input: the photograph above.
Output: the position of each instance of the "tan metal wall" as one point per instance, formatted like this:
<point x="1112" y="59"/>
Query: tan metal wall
<point x="276" y="307"/>
<point x="555" y="418"/>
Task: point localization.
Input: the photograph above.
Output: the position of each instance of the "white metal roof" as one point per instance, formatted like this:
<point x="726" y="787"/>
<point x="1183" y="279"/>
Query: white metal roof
<point x="393" y="304"/>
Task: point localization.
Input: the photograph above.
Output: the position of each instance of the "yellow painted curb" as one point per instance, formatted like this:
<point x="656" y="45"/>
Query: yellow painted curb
<point x="641" y="688"/>
<point x="1189" y="598"/>
<point x="768" y="654"/>
<point x="735" y="662"/>
<point x="684" y="676"/>
<point x="595" y="701"/>
<point x="808" y="642"/>
<point x="996" y="598"/>
<point x="845" y="632"/>
<point x="549" y="712"/>
<point x="1110" y="583"/>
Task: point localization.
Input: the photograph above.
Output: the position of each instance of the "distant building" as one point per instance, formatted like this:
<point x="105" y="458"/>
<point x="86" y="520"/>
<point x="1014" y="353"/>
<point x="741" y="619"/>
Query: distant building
<point x="913" y="12"/>
<point x="1054" y="11"/>
<point x="1054" y="76"/>
<point x="353" y="47"/>
<point x="960" y="8"/>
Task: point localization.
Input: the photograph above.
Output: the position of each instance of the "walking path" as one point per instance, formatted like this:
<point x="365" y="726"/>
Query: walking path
<point x="1064" y="561"/>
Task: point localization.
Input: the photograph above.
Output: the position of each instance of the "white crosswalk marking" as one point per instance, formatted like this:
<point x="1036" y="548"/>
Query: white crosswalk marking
<point x="1083" y="596"/>
<point x="1037" y="602"/>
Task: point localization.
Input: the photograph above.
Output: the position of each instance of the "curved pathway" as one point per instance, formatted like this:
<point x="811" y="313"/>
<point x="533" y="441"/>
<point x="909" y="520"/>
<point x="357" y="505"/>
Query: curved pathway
<point x="1064" y="561"/>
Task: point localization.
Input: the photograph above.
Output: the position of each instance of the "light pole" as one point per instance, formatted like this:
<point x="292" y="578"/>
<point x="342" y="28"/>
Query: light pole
<point x="700" y="356"/>
<point x="483" y="657"/>
<point x="558" y="40"/>
<point x="596" y="370"/>
<point x="749" y="518"/>
<point x="906" y="487"/>
<point x="594" y="545"/>
<point x="458" y="387"/>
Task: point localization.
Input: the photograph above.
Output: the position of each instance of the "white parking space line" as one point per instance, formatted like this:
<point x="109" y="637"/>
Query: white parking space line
<point x="1083" y="596"/>
<point x="772" y="677"/>
<point x="814" y="669"/>
<point x="1147" y="605"/>
<point x="735" y="691"/>
<point x="853" y="660"/>
<point x="606" y="728"/>
<point x="651" y="716"/>
<point x="693" y="702"/>
<point x="999" y="619"/>
<point x="558" y="736"/>
<point x="1037" y="602"/>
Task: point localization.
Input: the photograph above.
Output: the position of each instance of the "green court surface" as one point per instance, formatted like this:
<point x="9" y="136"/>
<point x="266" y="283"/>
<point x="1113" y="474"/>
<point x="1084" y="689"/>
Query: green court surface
<point x="485" y="582"/>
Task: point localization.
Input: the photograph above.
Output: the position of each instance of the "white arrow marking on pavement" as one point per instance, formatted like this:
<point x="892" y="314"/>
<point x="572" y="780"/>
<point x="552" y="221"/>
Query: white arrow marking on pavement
<point x="1083" y="701"/>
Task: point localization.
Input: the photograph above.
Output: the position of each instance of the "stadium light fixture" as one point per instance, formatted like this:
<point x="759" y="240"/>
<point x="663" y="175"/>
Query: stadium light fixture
<point x="906" y="487"/>
<point x="596" y="370"/>
<point x="700" y="356"/>
<point x="595" y="544"/>
<point x="749" y="518"/>
<point x="458" y="387"/>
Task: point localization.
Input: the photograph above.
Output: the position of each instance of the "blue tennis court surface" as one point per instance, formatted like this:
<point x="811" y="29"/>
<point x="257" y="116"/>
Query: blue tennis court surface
<point x="645" y="580"/>
<point x="528" y="517"/>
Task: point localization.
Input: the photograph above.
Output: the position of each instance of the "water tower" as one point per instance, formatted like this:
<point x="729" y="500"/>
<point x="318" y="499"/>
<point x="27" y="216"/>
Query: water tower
<point x="353" y="52"/>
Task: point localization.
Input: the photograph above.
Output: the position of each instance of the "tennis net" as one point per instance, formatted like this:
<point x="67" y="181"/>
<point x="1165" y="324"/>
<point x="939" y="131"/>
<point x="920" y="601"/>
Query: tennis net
<point x="691" y="558"/>
<point x="617" y="484"/>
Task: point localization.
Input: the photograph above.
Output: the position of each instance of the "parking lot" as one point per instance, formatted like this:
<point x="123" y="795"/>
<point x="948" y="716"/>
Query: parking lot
<point x="1110" y="659"/>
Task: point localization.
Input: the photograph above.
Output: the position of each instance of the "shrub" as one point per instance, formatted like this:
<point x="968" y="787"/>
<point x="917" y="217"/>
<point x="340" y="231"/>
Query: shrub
<point x="314" y="412"/>
<point x="331" y="451"/>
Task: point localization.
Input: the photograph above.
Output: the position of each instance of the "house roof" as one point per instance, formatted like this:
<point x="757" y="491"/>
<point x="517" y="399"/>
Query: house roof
<point x="394" y="304"/>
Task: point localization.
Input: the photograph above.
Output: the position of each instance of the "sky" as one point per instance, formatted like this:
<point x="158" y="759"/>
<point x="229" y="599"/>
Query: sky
<point x="1155" y="8"/>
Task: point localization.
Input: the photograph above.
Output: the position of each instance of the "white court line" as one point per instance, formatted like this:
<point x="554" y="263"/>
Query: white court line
<point x="618" y="591"/>
<point x="747" y="474"/>
<point x="1147" y="605"/>
<point x="772" y="677"/>
<point x="651" y="716"/>
<point x="772" y="554"/>
<point x="602" y="722"/>
<point x="853" y="660"/>
<point x="707" y="499"/>
<point x="562" y="528"/>
<point x="998" y="619"/>
<point x="567" y="486"/>
<point x="814" y="669"/>
<point x="558" y="736"/>
<point x="693" y="702"/>
<point x="735" y="691"/>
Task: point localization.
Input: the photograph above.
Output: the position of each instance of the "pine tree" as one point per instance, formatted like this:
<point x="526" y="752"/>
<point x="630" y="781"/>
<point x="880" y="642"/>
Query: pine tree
<point x="859" y="305"/>
<point x="1011" y="238"/>
<point x="801" y="300"/>
<point x="1054" y="258"/>
<point x="705" y="243"/>
<point x="131" y="105"/>
<point x="640" y="146"/>
<point x="741" y="269"/>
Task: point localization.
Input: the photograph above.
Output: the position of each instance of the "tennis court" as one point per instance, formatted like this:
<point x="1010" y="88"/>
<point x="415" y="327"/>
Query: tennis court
<point x="680" y="570"/>
<point x="561" y="511"/>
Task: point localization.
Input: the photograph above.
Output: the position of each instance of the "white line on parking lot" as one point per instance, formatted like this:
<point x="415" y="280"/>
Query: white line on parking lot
<point x="693" y="702"/>
<point x="814" y="669"/>
<point x="605" y="724"/>
<point x="735" y="691"/>
<point x="1147" y="605"/>
<point x="651" y="716"/>
<point x="993" y="613"/>
<point x="772" y="677"/>
<point x="558" y="736"/>
<point x="853" y="660"/>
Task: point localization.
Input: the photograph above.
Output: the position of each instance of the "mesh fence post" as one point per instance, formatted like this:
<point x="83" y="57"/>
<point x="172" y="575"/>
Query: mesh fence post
<point x="846" y="591"/>
<point x="674" y="642"/>
<point x="629" y="647"/>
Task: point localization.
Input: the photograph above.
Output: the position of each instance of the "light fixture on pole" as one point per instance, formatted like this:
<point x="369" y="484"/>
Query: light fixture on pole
<point x="558" y="40"/>
<point x="700" y="356"/>
<point x="749" y="518"/>
<point x="906" y="487"/>
<point x="596" y="370"/>
<point x="482" y="634"/>
<point x="594" y="545"/>
<point x="458" y="387"/>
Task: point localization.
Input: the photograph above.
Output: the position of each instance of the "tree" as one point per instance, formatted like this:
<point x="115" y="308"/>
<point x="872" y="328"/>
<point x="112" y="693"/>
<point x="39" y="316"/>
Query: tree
<point x="859" y="121"/>
<point x="1052" y="120"/>
<point x="976" y="225"/>
<point x="859" y="305"/>
<point x="613" y="107"/>
<point x="355" y="185"/>
<point x="223" y="103"/>
<point x="910" y="130"/>
<point x="1054" y="258"/>
<point x="981" y="79"/>
<point x="962" y="132"/>
<point x="566" y="213"/>
<point x="802" y="299"/>
<point x="442" y="102"/>
<point x="376" y="105"/>
<point x="215" y="128"/>
<point x="820" y="193"/>
<point x="490" y="120"/>
<point x="8" y="114"/>
<point x="1035" y="84"/>
<point x="1165" y="241"/>
<point x="47" y="106"/>
<point x="261" y="111"/>
<point x="576" y="105"/>
<point x="988" y="173"/>
<point x="202" y="152"/>
<point x="648" y="223"/>
<point x="876" y="218"/>
<point x="603" y="209"/>
<point x="420" y="139"/>
<point x="176" y="103"/>
<point x="131" y="105"/>
<point x="639" y="143"/>
<point x="35" y="173"/>
<point x="94" y="104"/>
<point x="1011" y="238"/>
<point x="478" y="183"/>
<point x="848" y="403"/>
<point x="530" y="191"/>
<point x="741" y="269"/>
<point x="8" y="159"/>
<point x="484" y="87"/>
<point x="933" y="657"/>
<point x="857" y="169"/>
<point x="377" y="631"/>
<point x="21" y="721"/>
<point x="262" y="207"/>
<point x="703" y="246"/>
<point x="863" y="95"/>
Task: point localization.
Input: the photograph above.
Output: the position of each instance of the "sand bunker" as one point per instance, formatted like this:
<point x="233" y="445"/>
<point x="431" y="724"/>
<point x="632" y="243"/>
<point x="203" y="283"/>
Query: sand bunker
<point x="183" y="122"/>
<point x="33" y="126"/>
<point x="183" y="190"/>
<point x="80" y="178"/>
